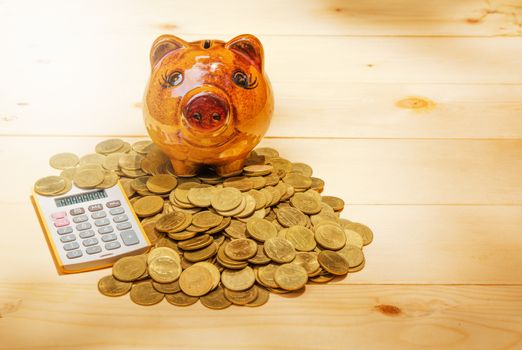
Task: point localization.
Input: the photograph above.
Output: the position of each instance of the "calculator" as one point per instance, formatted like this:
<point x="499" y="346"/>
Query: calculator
<point x="90" y="229"/>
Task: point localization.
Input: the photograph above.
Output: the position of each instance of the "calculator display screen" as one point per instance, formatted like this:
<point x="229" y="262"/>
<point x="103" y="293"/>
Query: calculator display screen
<point x="80" y="198"/>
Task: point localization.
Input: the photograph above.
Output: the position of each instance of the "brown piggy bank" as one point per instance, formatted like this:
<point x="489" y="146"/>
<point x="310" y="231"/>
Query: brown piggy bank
<point x="207" y="102"/>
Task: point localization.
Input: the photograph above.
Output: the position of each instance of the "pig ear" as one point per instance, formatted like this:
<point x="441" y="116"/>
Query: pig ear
<point x="163" y="45"/>
<point x="249" y="46"/>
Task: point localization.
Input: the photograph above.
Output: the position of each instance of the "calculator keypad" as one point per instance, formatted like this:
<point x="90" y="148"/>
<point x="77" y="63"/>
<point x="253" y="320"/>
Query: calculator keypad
<point x="91" y="230"/>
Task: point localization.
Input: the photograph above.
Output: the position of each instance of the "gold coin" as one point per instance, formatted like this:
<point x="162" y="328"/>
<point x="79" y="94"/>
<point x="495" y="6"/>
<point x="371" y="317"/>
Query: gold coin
<point x="163" y="251"/>
<point x="238" y="210"/>
<point x="164" y="269"/>
<point x="161" y="183"/>
<point x="68" y="173"/>
<point x="358" y="267"/>
<point x="279" y="249"/>
<point x="111" y="287"/>
<point x="88" y="178"/>
<point x="67" y="188"/>
<point x="195" y="281"/>
<point x="308" y="260"/>
<point x="241" y="297"/>
<point x="250" y="206"/>
<point x="330" y="236"/>
<point x="259" y="198"/>
<point x="225" y="261"/>
<point x="238" y="280"/>
<point x="267" y="152"/>
<point x="289" y="216"/>
<point x="148" y="206"/>
<point x="262" y="298"/>
<point x="302" y="168"/>
<point x="110" y="179"/>
<point x="201" y="196"/>
<point x="260" y="258"/>
<point x="206" y="219"/>
<point x="131" y="161"/>
<point x="223" y="225"/>
<point x="364" y="231"/>
<point x="333" y="262"/>
<point x="322" y="278"/>
<point x="63" y="161"/>
<point x="175" y="221"/>
<point x="306" y="203"/>
<point x="354" y="238"/>
<point x="143" y="293"/>
<point x="236" y="229"/>
<point x="167" y="288"/>
<point x="241" y="249"/>
<point x="181" y="299"/>
<point x="196" y="243"/>
<point x="215" y="300"/>
<point x="298" y="181"/>
<point x="265" y="275"/>
<point x="290" y="277"/>
<point x="260" y="229"/>
<point x="281" y="165"/>
<point x="214" y="272"/>
<point x="129" y="268"/>
<point x="109" y="146"/>
<point x="258" y="170"/>
<point x="132" y="173"/>
<point x="142" y="147"/>
<point x="240" y="182"/>
<point x="50" y="185"/>
<point x="352" y="254"/>
<point x="92" y="159"/>
<point x="301" y="238"/>
<point x="139" y="184"/>
<point x="317" y="184"/>
<point x="112" y="161"/>
<point x="336" y="203"/>
<point x="226" y="199"/>
<point x="258" y="182"/>
<point x="201" y="254"/>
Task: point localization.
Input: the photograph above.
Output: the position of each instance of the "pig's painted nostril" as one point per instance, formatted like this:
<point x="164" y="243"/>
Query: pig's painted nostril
<point x="216" y="117"/>
<point x="196" y="116"/>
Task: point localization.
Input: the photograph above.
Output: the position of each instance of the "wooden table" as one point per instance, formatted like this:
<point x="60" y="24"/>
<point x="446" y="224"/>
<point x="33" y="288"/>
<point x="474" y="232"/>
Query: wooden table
<point x="411" y="111"/>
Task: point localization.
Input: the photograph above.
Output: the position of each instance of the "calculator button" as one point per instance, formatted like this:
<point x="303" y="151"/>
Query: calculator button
<point x="102" y="222"/>
<point x="83" y="226"/>
<point x="81" y="218"/>
<point x="109" y="238"/>
<point x="124" y="226"/>
<point x="74" y="254"/>
<point x="98" y="215"/>
<point x="93" y="250"/>
<point x="105" y="229"/>
<point x="77" y="211"/>
<point x="59" y="215"/>
<point x="113" y="204"/>
<point x="90" y="241"/>
<point x="117" y="211"/>
<point x="95" y="207"/>
<point x="61" y="222"/>
<point x="68" y="238"/>
<point x="71" y="246"/>
<point x="112" y="245"/>
<point x="86" y="234"/>
<point x="129" y="237"/>
<point x="120" y="218"/>
<point x="64" y="230"/>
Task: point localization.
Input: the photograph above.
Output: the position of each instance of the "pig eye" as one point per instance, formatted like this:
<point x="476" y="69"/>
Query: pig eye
<point x="244" y="81"/>
<point x="172" y="79"/>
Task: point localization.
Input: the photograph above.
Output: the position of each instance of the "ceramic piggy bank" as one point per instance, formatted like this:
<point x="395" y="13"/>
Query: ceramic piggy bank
<point x="207" y="102"/>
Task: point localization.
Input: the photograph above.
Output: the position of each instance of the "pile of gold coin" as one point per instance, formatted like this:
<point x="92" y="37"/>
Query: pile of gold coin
<point x="222" y="241"/>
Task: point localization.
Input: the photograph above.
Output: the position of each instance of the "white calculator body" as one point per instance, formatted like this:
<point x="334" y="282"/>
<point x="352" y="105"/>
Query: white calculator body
<point x="90" y="229"/>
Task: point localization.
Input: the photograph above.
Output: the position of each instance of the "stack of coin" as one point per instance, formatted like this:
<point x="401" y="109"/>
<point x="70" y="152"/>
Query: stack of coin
<point x="222" y="241"/>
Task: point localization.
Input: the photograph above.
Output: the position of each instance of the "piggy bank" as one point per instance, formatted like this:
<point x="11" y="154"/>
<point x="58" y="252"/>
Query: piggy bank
<point x="207" y="102"/>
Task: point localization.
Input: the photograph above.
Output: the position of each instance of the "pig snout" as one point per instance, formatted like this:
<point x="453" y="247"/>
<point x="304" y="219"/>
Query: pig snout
<point x="206" y="112"/>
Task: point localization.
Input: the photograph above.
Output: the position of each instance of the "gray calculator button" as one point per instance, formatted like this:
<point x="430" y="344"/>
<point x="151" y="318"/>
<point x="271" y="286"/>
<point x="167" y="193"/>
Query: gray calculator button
<point x="74" y="254"/>
<point x="86" y="234"/>
<point x="77" y="211"/>
<point x="117" y="211"/>
<point x="71" y="246"/>
<point x="83" y="226"/>
<point x="98" y="215"/>
<point x="113" y="204"/>
<point x="129" y="237"/>
<point x="112" y="245"/>
<point x="90" y="241"/>
<point x="109" y="238"/>
<point x="95" y="207"/>
<point x="93" y="250"/>
<point x="120" y="218"/>
<point x="81" y="218"/>
<point x="68" y="238"/>
<point x="64" y="230"/>
<point x="105" y="229"/>
<point x="102" y="222"/>
<point x="124" y="226"/>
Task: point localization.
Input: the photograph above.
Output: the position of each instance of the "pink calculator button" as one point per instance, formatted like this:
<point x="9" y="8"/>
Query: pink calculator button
<point x="59" y="215"/>
<point x="61" y="222"/>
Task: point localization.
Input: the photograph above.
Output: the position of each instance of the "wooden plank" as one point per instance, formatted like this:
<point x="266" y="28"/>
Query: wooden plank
<point x="311" y="17"/>
<point x="349" y="110"/>
<point x="60" y="316"/>
<point x="361" y="171"/>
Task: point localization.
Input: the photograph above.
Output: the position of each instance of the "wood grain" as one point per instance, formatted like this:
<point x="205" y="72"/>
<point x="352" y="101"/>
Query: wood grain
<point x="61" y="316"/>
